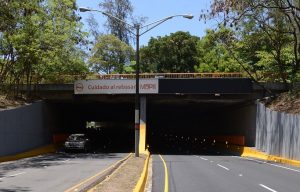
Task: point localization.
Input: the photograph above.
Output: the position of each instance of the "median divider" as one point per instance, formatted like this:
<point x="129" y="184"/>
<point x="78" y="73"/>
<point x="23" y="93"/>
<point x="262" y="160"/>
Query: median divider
<point x="31" y="153"/>
<point x="140" y="186"/>
<point x="99" y="177"/>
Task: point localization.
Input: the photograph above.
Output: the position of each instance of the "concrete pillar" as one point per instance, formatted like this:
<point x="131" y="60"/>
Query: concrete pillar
<point x="143" y="109"/>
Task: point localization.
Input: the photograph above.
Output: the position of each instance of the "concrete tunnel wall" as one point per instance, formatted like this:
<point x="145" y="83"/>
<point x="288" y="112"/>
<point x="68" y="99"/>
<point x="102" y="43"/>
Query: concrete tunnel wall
<point x="23" y="128"/>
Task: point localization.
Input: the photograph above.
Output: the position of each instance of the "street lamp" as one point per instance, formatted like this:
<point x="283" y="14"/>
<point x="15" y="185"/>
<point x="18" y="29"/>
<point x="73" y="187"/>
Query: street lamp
<point x="137" y="34"/>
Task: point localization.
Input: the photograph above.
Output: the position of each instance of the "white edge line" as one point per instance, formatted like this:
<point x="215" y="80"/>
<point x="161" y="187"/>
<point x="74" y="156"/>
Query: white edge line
<point x="291" y="169"/>
<point x="223" y="167"/>
<point x="266" y="187"/>
<point x="203" y="158"/>
<point x="16" y="174"/>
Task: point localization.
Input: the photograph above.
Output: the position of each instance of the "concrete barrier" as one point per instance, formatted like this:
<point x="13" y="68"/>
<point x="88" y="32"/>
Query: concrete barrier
<point x="250" y="152"/>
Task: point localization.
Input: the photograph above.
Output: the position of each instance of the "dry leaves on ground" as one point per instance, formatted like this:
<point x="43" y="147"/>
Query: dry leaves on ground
<point x="124" y="178"/>
<point x="286" y="103"/>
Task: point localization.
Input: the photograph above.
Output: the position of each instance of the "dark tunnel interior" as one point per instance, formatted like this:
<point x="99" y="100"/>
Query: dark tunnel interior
<point x="173" y="126"/>
<point x="190" y="127"/>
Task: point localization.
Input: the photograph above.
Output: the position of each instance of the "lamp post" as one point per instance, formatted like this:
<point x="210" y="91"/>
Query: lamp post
<point x="137" y="34"/>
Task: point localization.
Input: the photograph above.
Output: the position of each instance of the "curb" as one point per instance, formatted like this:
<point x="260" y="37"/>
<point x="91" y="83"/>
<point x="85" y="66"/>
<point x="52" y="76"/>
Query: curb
<point x="99" y="177"/>
<point x="31" y="153"/>
<point x="250" y="152"/>
<point x="141" y="184"/>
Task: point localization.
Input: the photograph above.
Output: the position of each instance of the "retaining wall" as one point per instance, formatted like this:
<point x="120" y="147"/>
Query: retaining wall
<point x="277" y="133"/>
<point x="23" y="129"/>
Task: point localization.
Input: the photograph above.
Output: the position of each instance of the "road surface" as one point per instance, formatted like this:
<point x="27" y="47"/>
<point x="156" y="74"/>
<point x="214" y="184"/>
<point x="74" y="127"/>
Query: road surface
<point x="221" y="173"/>
<point x="53" y="172"/>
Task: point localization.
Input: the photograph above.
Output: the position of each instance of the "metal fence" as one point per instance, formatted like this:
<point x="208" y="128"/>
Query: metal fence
<point x="277" y="133"/>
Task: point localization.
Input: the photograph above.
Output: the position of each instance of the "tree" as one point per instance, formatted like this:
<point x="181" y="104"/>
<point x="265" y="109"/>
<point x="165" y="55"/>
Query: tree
<point x="121" y="9"/>
<point x="106" y="55"/>
<point x="279" y="21"/>
<point x="213" y="55"/>
<point x="39" y="39"/>
<point x="170" y="54"/>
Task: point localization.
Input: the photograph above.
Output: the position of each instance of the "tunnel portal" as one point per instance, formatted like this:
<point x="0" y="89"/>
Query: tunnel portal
<point x="172" y="121"/>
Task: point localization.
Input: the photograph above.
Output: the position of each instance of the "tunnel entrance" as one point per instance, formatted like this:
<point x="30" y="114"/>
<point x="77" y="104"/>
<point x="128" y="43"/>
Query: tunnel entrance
<point x="194" y="126"/>
<point x="115" y="123"/>
<point x="175" y="124"/>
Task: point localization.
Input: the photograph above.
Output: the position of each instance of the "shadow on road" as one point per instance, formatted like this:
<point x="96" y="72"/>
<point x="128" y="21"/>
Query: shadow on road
<point x="53" y="159"/>
<point x="15" y="189"/>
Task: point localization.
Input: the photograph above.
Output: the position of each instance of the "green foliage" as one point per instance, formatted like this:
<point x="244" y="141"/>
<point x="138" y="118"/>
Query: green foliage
<point x="170" y="54"/>
<point x="268" y="34"/>
<point x="213" y="55"/>
<point x="39" y="38"/>
<point x="110" y="55"/>
<point x="121" y="9"/>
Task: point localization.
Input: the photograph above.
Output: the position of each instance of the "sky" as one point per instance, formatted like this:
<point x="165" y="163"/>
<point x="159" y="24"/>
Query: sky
<point x="155" y="10"/>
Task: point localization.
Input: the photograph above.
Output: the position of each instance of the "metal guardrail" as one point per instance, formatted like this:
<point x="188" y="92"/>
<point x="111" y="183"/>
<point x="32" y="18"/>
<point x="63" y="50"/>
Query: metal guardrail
<point x="70" y="78"/>
<point x="171" y="75"/>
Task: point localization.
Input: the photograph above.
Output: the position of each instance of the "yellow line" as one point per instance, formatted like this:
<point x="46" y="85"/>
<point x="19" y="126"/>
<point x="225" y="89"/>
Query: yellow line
<point x="85" y="181"/>
<point x="166" y="175"/>
<point x="31" y="153"/>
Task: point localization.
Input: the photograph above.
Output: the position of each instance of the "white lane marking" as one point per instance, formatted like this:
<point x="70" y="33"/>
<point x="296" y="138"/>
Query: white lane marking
<point x="12" y="175"/>
<point x="283" y="167"/>
<point x="16" y="174"/>
<point x="240" y="175"/>
<point x="201" y="158"/>
<point x="266" y="187"/>
<point x="223" y="167"/>
<point x="211" y="161"/>
<point x="65" y="161"/>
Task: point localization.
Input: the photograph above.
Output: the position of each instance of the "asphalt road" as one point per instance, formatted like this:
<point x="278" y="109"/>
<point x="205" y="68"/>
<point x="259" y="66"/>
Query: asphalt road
<point x="53" y="172"/>
<point x="221" y="173"/>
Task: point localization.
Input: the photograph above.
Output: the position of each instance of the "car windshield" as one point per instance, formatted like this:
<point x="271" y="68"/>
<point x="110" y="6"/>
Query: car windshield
<point x="76" y="137"/>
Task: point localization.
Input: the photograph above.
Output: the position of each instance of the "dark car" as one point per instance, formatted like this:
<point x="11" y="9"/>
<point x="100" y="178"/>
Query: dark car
<point x="78" y="142"/>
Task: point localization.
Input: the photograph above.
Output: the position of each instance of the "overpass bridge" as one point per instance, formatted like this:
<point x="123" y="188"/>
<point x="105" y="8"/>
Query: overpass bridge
<point x="217" y="106"/>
